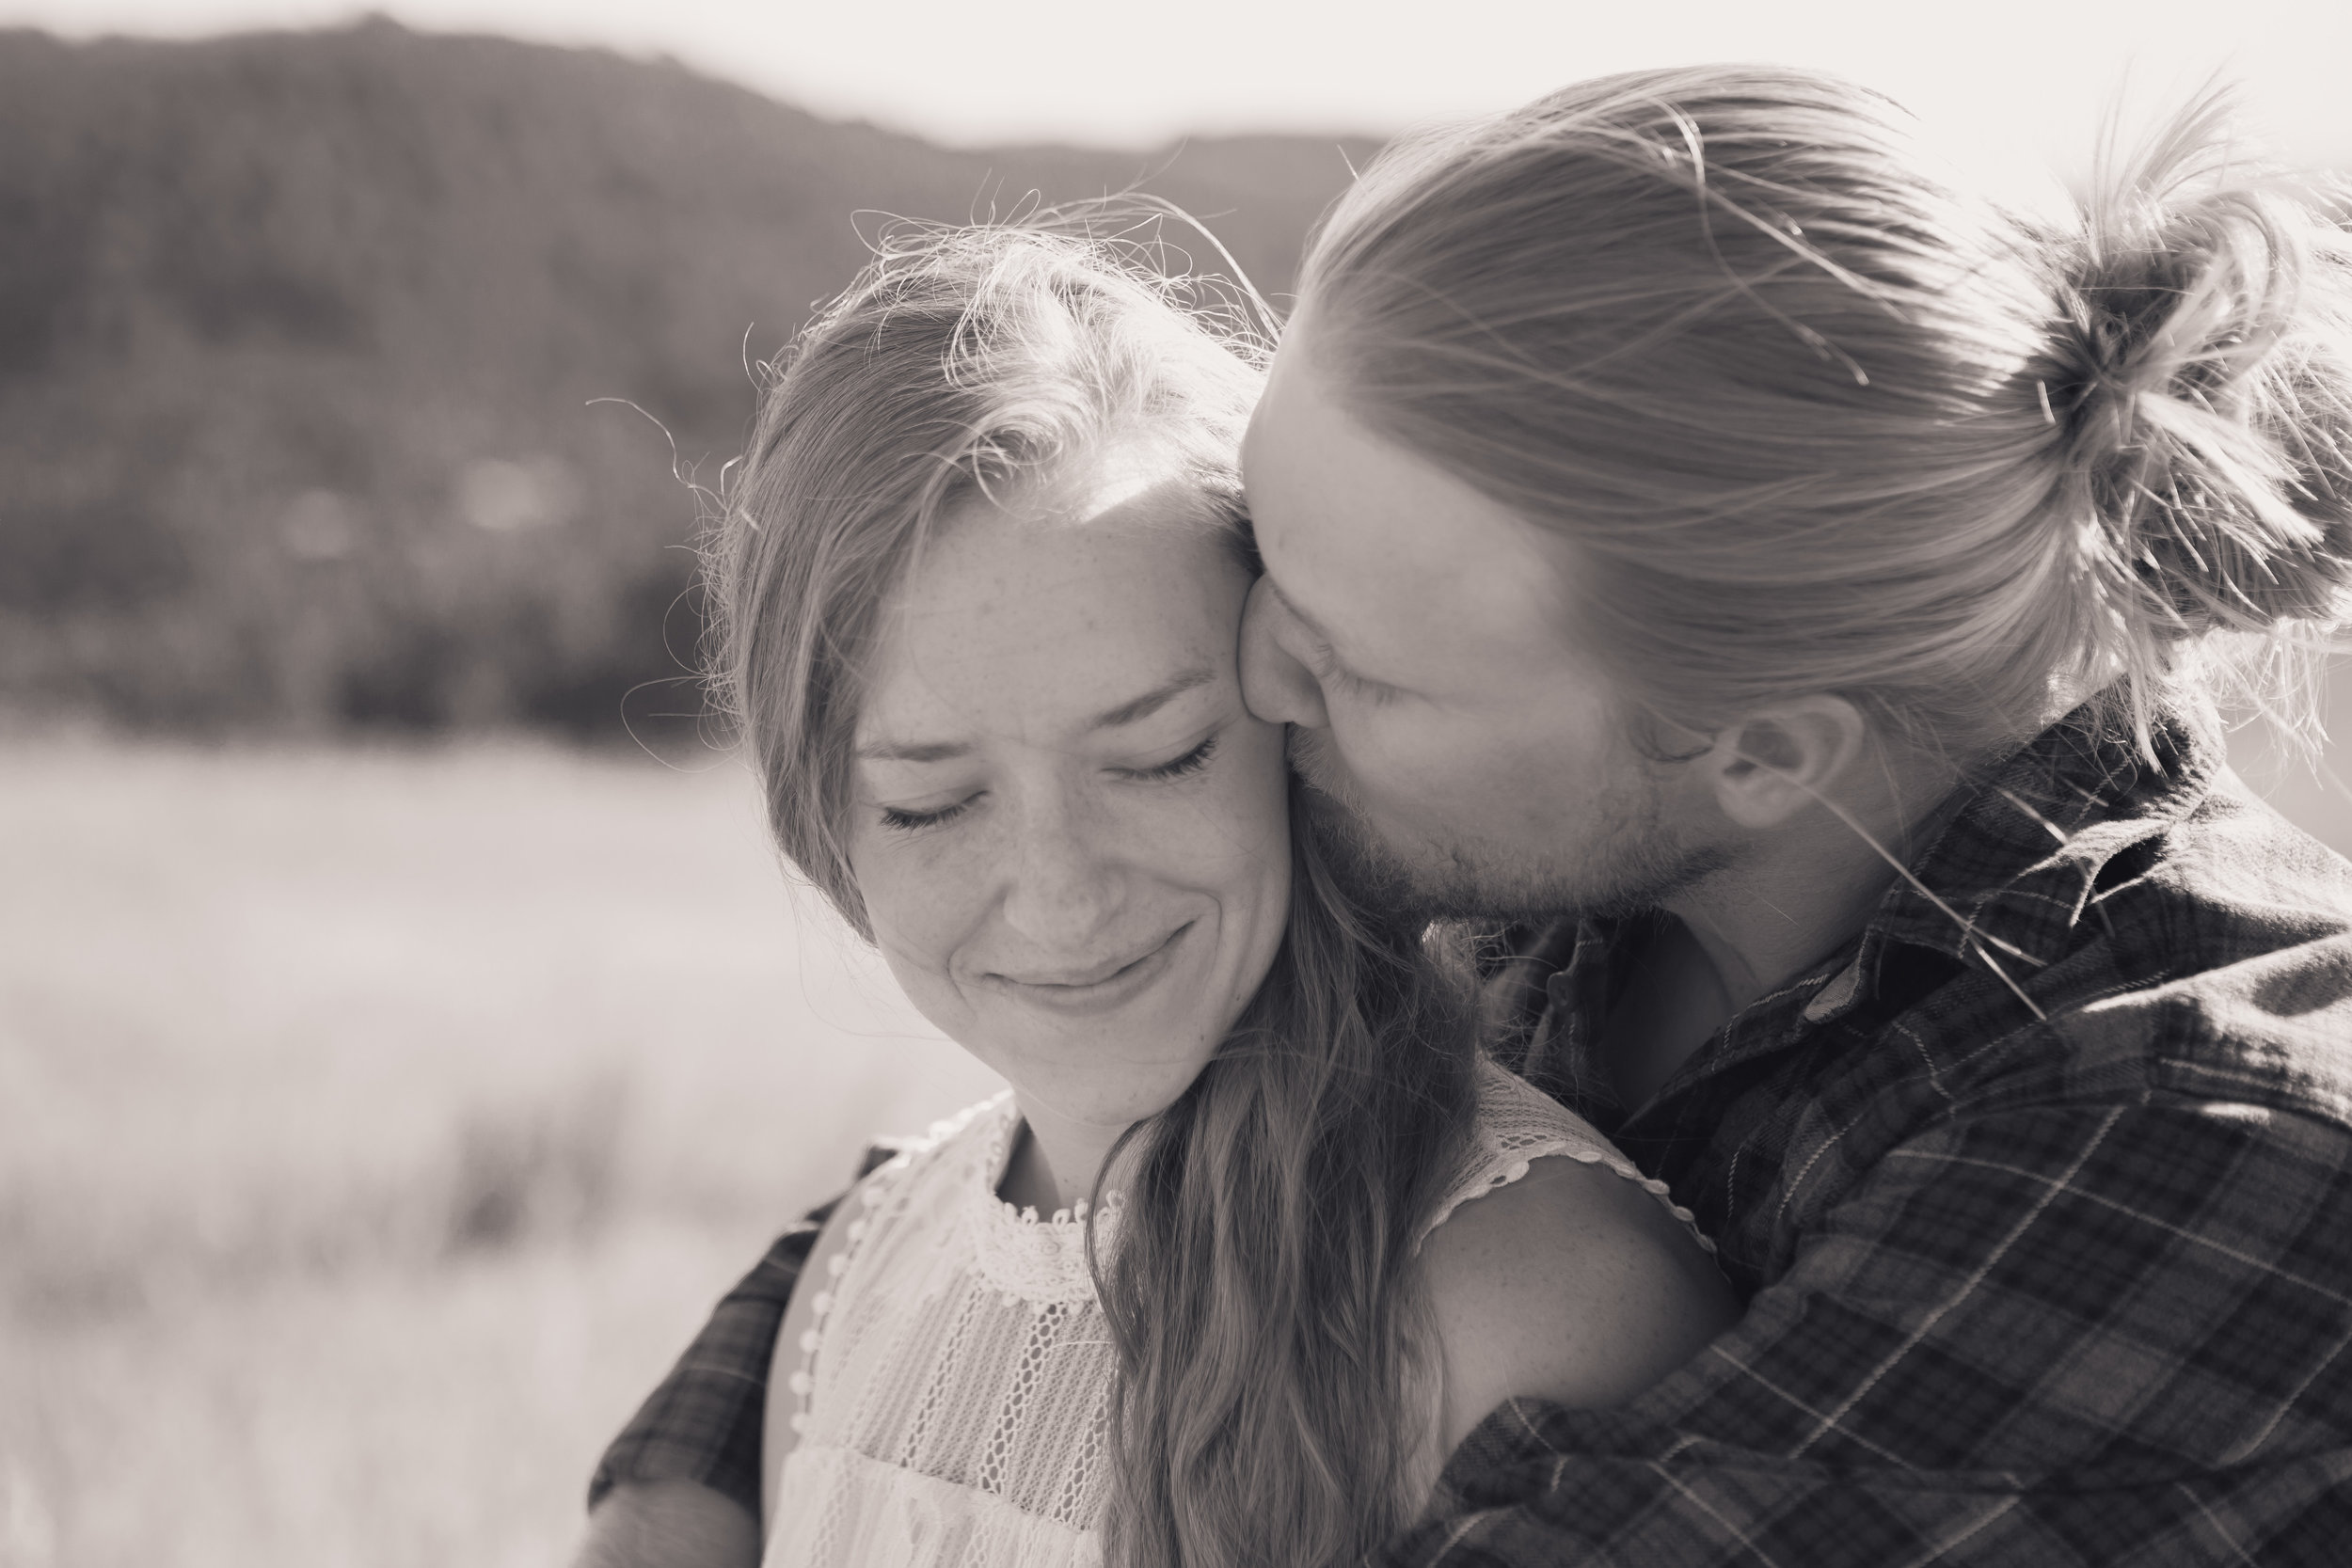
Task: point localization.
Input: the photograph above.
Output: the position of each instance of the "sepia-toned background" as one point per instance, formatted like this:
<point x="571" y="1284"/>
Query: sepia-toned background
<point x="406" y="1031"/>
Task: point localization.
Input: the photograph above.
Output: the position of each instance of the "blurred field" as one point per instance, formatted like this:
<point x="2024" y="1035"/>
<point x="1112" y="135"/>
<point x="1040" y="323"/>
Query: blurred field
<point x="377" y="1125"/>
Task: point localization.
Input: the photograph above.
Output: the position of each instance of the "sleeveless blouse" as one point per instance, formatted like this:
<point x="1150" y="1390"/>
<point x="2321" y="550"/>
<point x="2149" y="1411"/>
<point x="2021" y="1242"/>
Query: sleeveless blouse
<point x="952" y="1399"/>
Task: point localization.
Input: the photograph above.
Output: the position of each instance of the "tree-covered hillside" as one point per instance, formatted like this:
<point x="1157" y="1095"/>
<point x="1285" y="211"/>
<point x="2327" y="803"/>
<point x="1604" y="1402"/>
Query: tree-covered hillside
<point x="299" y="335"/>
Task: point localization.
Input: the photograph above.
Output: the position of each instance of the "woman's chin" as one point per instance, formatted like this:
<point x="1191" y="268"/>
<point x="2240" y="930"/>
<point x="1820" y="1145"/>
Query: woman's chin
<point x="1105" y="1100"/>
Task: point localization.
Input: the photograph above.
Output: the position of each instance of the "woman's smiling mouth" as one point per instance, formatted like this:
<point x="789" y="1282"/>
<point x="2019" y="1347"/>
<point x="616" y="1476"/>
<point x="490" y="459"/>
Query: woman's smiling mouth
<point x="1100" y="991"/>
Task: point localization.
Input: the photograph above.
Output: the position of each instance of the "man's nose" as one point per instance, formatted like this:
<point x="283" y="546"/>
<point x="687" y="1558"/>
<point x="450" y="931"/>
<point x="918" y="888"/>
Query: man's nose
<point x="1276" y="688"/>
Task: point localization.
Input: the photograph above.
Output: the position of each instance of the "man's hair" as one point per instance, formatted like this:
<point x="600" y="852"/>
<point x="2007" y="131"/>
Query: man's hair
<point x="1270" y="1327"/>
<point x="1811" y="417"/>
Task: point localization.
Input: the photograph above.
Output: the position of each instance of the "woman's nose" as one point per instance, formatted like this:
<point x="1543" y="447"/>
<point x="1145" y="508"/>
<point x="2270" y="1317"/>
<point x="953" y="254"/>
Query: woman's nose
<point x="1063" y="888"/>
<point x="1276" y="688"/>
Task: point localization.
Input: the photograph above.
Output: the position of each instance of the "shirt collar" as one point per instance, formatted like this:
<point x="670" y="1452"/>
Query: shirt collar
<point x="2001" y="887"/>
<point x="2014" y="869"/>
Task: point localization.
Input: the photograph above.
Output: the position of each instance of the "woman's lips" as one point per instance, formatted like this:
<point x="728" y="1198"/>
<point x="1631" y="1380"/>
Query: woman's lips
<point x="1103" y="991"/>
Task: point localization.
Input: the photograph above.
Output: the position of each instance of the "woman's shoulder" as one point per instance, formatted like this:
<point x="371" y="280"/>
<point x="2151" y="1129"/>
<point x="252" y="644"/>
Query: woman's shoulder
<point x="1519" y="1125"/>
<point x="1558" y="1272"/>
<point x="968" y="1129"/>
<point x="910" y="1179"/>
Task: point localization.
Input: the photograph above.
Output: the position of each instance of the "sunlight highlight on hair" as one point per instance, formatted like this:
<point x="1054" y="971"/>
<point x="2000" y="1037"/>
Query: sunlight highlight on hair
<point x="1816" y="418"/>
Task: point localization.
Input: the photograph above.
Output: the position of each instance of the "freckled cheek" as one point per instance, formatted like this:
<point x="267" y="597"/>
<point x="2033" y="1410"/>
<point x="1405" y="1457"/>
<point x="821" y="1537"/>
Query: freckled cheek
<point x="925" y="908"/>
<point x="1245" y="841"/>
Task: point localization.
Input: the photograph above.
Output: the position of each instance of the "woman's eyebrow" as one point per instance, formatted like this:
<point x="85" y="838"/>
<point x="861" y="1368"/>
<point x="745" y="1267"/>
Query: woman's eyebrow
<point x="891" y="750"/>
<point x="1152" y="702"/>
<point x="1132" y="711"/>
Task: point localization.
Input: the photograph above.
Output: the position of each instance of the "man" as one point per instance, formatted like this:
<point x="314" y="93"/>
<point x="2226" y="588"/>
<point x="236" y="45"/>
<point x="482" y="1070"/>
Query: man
<point x="1780" y="589"/>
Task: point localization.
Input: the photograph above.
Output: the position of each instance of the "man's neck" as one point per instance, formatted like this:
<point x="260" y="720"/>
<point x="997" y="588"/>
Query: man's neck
<point x="1767" y="919"/>
<point x="1787" y="902"/>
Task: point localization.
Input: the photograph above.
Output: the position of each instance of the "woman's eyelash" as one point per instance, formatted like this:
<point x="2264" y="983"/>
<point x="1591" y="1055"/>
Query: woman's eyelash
<point x="899" y="820"/>
<point x="1176" y="767"/>
<point x="908" y="821"/>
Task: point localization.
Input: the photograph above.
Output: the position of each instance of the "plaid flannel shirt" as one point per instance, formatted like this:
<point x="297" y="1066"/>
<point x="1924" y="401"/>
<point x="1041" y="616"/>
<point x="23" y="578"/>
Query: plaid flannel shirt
<point x="2039" y="1194"/>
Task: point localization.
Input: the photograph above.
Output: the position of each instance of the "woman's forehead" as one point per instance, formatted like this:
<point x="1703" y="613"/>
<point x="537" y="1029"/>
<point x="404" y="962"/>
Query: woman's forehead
<point x="1032" y="623"/>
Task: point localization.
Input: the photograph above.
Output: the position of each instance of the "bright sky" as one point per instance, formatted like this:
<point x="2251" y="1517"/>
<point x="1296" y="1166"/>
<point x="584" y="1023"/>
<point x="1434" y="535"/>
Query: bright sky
<point x="2024" y="78"/>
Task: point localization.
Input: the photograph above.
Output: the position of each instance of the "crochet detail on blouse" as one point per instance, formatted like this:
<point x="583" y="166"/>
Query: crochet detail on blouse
<point x="952" y="1398"/>
<point x="1519" y="1124"/>
<point x="1039" y="1260"/>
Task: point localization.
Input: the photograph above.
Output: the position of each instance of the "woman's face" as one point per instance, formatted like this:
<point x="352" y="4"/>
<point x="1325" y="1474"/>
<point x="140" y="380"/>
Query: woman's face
<point x="1070" y="836"/>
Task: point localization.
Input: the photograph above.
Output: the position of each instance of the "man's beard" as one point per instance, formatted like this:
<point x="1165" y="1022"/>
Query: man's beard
<point x="1627" y="863"/>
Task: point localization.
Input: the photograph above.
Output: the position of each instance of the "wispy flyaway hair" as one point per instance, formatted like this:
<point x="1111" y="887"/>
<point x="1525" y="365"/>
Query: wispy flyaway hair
<point x="1810" y="416"/>
<point x="1270" y="1330"/>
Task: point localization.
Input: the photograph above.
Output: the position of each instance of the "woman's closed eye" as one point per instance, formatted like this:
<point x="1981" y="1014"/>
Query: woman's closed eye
<point x="908" y="819"/>
<point x="1177" y="766"/>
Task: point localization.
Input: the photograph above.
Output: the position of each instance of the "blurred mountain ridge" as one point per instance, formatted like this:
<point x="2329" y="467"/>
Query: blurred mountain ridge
<point x="300" y="334"/>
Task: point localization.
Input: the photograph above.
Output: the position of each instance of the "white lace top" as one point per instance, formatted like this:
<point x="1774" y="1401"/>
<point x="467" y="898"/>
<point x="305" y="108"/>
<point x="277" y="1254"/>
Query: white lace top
<point x="952" y="1399"/>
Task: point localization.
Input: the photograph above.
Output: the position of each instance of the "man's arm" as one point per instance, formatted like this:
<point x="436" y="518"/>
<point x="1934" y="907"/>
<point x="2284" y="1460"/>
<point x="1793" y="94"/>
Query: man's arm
<point x="700" y="1424"/>
<point x="2054" y="1336"/>
<point x="679" y="1487"/>
<point x="677" y="1524"/>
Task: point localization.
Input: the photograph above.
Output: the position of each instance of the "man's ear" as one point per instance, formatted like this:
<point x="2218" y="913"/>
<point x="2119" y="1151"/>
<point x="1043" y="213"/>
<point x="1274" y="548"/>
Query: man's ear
<point x="1771" y="763"/>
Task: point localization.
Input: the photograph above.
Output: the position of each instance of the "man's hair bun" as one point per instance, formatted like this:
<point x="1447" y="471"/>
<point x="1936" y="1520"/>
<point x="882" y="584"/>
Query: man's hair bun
<point x="2204" y="378"/>
<point x="1818" y="418"/>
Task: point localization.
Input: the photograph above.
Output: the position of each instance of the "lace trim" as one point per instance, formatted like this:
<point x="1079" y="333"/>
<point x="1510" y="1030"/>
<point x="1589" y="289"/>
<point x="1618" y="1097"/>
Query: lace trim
<point x="1040" y="1261"/>
<point x="1519" y="1124"/>
<point x="1583" y="1154"/>
<point x="1027" y="1260"/>
<point x="871" y="1193"/>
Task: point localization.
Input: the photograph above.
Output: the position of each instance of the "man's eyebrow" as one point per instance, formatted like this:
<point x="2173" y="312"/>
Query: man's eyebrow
<point x="1328" y="662"/>
<point x="1322" y="634"/>
<point x="1132" y="711"/>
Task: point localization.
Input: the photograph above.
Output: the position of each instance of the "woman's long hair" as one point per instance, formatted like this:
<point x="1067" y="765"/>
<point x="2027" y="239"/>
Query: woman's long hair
<point x="1815" y="418"/>
<point x="1274" y="1363"/>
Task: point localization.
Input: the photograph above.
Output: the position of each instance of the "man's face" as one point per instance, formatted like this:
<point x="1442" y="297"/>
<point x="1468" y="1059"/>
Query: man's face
<point x="1468" y="759"/>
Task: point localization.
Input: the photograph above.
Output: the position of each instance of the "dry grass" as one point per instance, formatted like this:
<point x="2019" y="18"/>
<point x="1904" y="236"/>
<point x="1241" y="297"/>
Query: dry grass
<point x="374" y="1126"/>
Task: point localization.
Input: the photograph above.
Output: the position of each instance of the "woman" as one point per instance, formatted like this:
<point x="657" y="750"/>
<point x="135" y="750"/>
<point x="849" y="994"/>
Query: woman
<point x="981" y="580"/>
